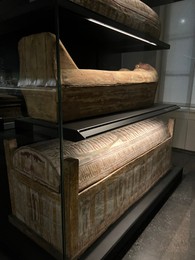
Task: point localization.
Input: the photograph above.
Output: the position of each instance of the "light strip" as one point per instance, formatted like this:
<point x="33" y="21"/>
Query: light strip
<point x="120" y="31"/>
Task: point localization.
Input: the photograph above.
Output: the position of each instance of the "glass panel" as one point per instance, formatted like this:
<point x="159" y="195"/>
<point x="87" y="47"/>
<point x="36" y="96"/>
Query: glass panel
<point x="193" y="94"/>
<point x="29" y="121"/>
<point x="179" y="57"/>
<point x="176" y="89"/>
<point x="179" y="61"/>
<point x="181" y="19"/>
<point x="33" y="114"/>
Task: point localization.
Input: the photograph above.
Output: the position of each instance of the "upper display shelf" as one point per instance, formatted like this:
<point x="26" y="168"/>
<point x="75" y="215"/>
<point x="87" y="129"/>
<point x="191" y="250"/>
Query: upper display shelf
<point x="32" y="16"/>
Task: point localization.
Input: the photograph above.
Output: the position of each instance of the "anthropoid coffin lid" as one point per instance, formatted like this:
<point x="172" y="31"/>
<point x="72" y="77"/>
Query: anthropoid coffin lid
<point x="98" y="156"/>
<point x="134" y="14"/>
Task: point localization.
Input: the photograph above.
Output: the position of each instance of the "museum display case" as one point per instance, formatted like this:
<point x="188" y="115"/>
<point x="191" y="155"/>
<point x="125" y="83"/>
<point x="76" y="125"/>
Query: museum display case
<point x="85" y="154"/>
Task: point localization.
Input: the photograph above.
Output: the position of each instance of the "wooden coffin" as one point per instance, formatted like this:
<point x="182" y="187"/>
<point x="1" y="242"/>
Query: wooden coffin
<point x="103" y="177"/>
<point x="133" y="13"/>
<point x="85" y="93"/>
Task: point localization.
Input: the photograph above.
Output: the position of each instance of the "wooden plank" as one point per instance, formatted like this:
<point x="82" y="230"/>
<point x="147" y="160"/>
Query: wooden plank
<point x="70" y="186"/>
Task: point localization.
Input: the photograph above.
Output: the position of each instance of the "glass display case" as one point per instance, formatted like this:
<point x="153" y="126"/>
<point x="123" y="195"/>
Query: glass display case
<point x="77" y="129"/>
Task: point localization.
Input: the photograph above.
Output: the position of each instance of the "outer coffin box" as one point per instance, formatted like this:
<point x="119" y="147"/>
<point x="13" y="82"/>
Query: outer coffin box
<point x="84" y="92"/>
<point x="102" y="177"/>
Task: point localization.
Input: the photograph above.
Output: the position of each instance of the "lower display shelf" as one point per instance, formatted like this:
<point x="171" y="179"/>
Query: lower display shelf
<point x="123" y="233"/>
<point x="82" y="129"/>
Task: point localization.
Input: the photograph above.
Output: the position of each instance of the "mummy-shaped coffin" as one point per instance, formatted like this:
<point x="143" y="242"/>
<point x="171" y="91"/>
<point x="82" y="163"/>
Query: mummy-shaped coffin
<point x="85" y="92"/>
<point x="132" y="13"/>
<point x="103" y="176"/>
